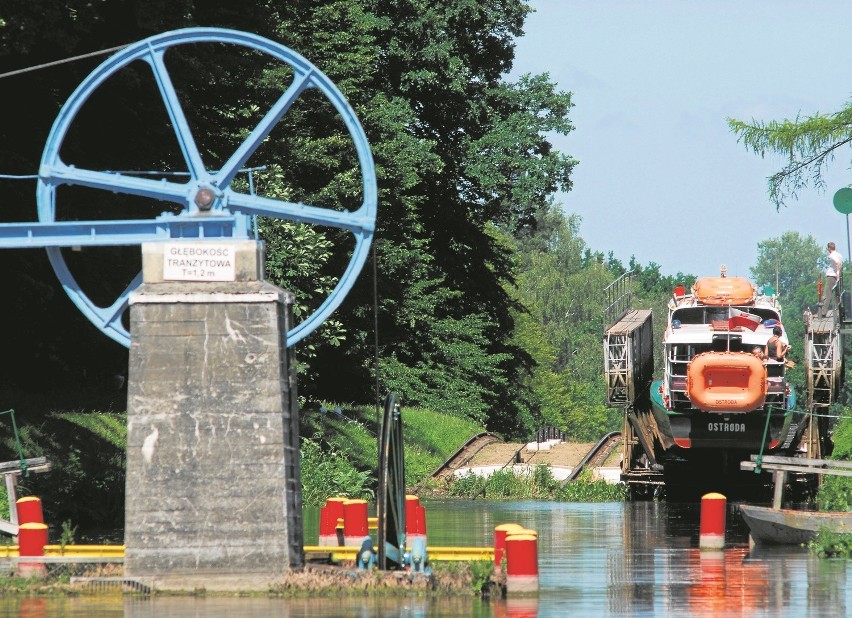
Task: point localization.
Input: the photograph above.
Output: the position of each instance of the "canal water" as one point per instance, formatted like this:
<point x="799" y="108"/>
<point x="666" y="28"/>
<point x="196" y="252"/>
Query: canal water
<point x="613" y="559"/>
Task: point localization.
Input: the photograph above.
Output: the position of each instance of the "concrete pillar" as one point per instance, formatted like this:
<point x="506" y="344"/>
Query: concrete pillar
<point x="213" y="490"/>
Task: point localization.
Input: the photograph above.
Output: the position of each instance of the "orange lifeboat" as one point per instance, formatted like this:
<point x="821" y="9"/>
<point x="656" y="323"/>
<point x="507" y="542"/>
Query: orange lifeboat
<point x="726" y="382"/>
<point x="724" y="291"/>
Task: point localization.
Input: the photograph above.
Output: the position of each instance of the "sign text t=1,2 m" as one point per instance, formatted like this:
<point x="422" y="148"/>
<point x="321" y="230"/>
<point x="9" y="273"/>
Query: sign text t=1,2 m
<point x="199" y="262"/>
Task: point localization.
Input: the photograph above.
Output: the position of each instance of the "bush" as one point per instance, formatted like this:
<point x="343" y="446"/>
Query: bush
<point x="538" y="485"/>
<point x="326" y="472"/>
<point x="835" y="492"/>
<point x="588" y="489"/>
<point x="832" y="544"/>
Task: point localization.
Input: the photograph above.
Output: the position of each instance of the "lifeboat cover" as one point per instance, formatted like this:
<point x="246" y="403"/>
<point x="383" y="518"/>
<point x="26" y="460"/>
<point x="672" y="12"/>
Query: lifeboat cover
<point x="724" y="291"/>
<point x="726" y="382"/>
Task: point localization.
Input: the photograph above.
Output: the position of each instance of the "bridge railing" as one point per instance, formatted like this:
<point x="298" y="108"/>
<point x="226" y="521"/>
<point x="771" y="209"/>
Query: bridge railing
<point x="543" y="434"/>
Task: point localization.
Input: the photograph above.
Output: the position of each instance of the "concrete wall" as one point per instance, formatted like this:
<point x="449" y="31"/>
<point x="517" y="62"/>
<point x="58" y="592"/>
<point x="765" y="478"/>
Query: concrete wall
<point x="213" y="483"/>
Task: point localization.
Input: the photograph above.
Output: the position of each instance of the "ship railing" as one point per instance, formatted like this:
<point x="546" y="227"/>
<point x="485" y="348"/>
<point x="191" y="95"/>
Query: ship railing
<point x="618" y="297"/>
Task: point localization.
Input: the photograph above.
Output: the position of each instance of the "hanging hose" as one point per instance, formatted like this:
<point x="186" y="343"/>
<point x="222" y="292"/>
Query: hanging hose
<point x="20" y="449"/>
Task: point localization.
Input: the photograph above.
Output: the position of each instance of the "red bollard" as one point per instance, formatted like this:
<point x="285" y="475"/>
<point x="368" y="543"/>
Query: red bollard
<point x="411" y="505"/>
<point x="421" y="521"/>
<point x="712" y="528"/>
<point x="521" y="563"/>
<point x="415" y="520"/>
<point x="324" y="536"/>
<point x="355" y="522"/>
<point x="29" y="510"/>
<point x="32" y="537"/>
<point x="329" y="516"/>
<point x="500" y="533"/>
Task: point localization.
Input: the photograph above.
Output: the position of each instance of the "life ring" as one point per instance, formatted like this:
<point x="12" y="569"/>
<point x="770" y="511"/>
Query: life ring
<point x="726" y="382"/>
<point x="724" y="291"/>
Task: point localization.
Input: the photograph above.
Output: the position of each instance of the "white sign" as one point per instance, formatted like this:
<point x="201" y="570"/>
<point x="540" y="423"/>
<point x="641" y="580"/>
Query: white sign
<point x="199" y="262"/>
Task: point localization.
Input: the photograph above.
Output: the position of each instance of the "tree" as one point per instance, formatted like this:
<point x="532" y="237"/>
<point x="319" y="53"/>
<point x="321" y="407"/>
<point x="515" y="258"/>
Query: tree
<point x="787" y="264"/>
<point x="465" y="166"/>
<point x="560" y="327"/>
<point x="809" y="144"/>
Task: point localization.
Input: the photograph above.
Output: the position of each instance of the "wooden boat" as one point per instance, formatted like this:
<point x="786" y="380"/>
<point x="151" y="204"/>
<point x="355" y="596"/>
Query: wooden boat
<point x="726" y="382"/>
<point x="791" y="527"/>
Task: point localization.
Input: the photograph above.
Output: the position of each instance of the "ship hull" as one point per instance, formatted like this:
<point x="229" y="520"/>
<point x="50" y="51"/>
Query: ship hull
<point x="694" y="429"/>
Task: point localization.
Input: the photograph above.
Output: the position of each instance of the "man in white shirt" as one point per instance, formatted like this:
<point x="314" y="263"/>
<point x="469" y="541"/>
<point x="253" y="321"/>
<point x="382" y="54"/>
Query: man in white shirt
<point x="833" y="272"/>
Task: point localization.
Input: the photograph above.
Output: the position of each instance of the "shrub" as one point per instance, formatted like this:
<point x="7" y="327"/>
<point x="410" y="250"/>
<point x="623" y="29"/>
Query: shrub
<point x="469" y="485"/>
<point x="327" y="472"/>
<point x="835" y="492"/>
<point x="832" y="544"/>
<point x="539" y="484"/>
<point x="586" y="488"/>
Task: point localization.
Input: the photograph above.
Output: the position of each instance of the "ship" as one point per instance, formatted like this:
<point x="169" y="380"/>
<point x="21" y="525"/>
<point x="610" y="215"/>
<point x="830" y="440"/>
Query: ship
<point x="719" y="392"/>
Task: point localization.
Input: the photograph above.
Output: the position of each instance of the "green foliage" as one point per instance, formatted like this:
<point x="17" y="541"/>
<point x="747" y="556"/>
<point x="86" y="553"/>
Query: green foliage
<point x="458" y="151"/>
<point x="469" y="485"/>
<point x="326" y="472"/>
<point x="480" y="571"/>
<point x="86" y="482"/>
<point x="788" y="264"/>
<point x="476" y="572"/>
<point x="588" y="489"/>
<point x="842" y="436"/>
<point x="808" y="145"/>
<point x="830" y="544"/>
<point x="560" y="287"/>
<point x="835" y="492"/>
<point x="109" y="427"/>
<point x="67" y="535"/>
<point x="430" y="437"/>
<point x="539" y="485"/>
<point x="4" y="503"/>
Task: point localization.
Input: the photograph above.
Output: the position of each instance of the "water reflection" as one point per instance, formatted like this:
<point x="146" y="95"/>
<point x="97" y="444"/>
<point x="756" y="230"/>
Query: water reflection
<point x="636" y="559"/>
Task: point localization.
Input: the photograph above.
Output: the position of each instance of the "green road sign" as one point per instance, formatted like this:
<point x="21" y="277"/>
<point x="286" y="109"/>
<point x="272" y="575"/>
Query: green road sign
<point x="843" y="200"/>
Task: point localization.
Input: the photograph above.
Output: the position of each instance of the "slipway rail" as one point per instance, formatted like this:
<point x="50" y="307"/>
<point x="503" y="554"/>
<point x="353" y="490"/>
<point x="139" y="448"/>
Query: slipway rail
<point x="465" y="453"/>
<point x="596" y="455"/>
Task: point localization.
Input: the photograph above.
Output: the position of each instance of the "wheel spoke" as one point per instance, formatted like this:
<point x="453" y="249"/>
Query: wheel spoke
<point x="108" y="319"/>
<point x="112" y="314"/>
<point x="116" y="183"/>
<point x="251" y="143"/>
<point x="175" y="111"/>
<point x="357" y="221"/>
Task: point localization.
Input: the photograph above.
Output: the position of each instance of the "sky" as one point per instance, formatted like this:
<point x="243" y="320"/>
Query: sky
<point x="660" y="176"/>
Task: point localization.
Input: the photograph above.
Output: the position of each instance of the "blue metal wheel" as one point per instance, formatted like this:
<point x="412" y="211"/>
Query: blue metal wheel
<point x="207" y="204"/>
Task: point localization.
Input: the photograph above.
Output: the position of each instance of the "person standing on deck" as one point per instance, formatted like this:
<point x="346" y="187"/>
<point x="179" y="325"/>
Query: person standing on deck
<point x="776" y="349"/>
<point x="833" y="273"/>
